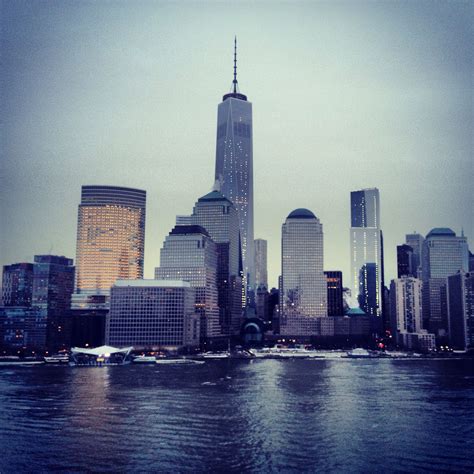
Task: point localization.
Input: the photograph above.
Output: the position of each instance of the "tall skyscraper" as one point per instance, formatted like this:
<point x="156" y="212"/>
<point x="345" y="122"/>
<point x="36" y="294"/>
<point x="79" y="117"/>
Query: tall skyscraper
<point x="303" y="295"/>
<point x="460" y="299"/>
<point x="261" y="274"/>
<point x="189" y="254"/>
<point x="110" y="242"/>
<point x="444" y="254"/>
<point x="415" y="241"/>
<point x="53" y="285"/>
<point x="218" y="216"/>
<point x="17" y="284"/>
<point x="366" y="250"/>
<point x="234" y="165"/>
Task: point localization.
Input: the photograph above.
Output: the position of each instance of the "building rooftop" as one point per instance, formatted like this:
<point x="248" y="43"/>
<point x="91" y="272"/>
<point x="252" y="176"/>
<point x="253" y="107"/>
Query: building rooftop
<point x="355" y="311"/>
<point x="188" y="229"/>
<point x="441" y="231"/>
<point x="153" y="283"/>
<point x="301" y="213"/>
<point x="213" y="196"/>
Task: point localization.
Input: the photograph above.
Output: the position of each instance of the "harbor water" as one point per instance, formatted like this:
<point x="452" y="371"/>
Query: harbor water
<point x="240" y="416"/>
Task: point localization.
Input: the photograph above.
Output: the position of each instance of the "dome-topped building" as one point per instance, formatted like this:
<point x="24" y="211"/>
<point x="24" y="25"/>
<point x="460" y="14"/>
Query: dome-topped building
<point x="441" y="231"/>
<point x="303" y="296"/>
<point x="301" y="213"/>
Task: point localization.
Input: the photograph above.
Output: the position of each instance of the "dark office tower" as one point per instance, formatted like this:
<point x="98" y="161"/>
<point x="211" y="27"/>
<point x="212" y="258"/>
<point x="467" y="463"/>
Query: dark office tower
<point x="303" y="295"/>
<point x="471" y="261"/>
<point x="261" y="303"/>
<point x="335" y="300"/>
<point x="234" y="165"/>
<point x="261" y="274"/>
<point x="17" y="284"/>
<point x="366" y="250"/>
<point x="444" y="254"/>
<point x="273" y="319"/>
<point x="405" y="261"/>
<point x="110" y="242"/>
<point x="53" y="285"/>
<point x="460" y="303"/>
<point x="415" y="241"/>
<point x="189" y="254"/>
<point x="218" y="216"/>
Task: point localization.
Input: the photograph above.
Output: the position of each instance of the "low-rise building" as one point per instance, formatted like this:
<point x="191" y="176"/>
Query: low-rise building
<point x="153" y="314"/>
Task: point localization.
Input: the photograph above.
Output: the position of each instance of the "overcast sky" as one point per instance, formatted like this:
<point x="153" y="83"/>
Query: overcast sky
<point x="346" y="95"/>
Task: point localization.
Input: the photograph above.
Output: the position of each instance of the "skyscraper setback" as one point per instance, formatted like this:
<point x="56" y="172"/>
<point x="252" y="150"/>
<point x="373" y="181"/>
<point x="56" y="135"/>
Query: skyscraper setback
<point x="234" y="165"/>
<point x="189" y="254"/>
<point x="366" y="250"/>
<point x="110" y="241"/>
<point x="218" y="216"/>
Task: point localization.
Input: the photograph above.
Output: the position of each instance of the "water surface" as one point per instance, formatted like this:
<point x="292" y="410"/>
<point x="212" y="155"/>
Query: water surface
<point x="240" y="416"/>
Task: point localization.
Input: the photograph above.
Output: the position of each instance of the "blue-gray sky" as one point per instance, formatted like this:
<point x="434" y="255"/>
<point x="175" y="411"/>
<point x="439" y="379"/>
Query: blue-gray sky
<point x="346" y="95"/>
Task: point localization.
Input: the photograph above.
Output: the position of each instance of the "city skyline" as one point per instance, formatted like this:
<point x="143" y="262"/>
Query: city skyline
<point x="59" y="140"/>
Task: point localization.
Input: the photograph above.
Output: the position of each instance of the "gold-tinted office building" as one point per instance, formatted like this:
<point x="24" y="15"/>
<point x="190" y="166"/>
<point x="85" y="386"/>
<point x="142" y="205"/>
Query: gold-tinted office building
<point x="110" y="241"/>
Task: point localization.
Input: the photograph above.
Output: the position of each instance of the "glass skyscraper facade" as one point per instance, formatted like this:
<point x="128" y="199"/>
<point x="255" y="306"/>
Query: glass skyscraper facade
<point x="215" y="213"/>
<point x="303" y="294"/>
<point x="152" y="314"/>
<point x="189" y="254"/>
<point x="444" y="254"/>
<point x="53" y="285"/>
<point x="110" y="241"/>
<point x="17" y="284"/>
<point x="261" y="273"/>
<point x="460" y="302"/>
<point x="415" y="241"/>
<point x="366" y="250"/>
<point x="234" y="167"/>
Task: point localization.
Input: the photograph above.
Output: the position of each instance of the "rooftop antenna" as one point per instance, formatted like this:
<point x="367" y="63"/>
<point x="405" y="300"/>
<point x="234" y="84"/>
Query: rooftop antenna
<point x="235" y="65"/>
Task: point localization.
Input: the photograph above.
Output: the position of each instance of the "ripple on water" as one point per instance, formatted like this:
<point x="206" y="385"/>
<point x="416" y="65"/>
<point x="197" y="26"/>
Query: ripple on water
<point x="270" y="416"/>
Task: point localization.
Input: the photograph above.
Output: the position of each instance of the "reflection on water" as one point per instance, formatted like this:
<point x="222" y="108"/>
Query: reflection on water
<point x="240" y="416"/>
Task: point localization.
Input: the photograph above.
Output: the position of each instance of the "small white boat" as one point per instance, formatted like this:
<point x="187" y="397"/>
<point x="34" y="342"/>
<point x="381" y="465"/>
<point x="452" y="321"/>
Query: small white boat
<point x="57" y="359"/>
<point x="216" y="355"/>
<point x="359" y="353"/>
<point x="144" y="360"/>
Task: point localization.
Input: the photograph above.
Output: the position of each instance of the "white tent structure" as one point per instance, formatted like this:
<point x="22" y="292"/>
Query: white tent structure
<point x="101" y="354"/>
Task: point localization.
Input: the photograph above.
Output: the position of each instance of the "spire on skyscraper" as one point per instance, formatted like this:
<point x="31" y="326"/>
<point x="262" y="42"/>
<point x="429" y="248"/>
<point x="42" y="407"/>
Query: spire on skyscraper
<point x="234" y="93"/>
<point x="235" y="65"/>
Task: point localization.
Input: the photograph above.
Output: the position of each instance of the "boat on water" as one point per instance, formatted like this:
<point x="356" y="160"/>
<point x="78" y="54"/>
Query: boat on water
<point x="216" y="355"/>
<point x="359" y="353"/>
<point x="144" y="360"/>
<point x="178" y="361"/>
<point x="57" y="359"/>
<point x="15" y="360"/>
<point x="285" y="353"/>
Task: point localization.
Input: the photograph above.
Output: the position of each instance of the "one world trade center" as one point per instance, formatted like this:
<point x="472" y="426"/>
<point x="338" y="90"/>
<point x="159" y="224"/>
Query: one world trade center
<point x="234" y="165"/>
